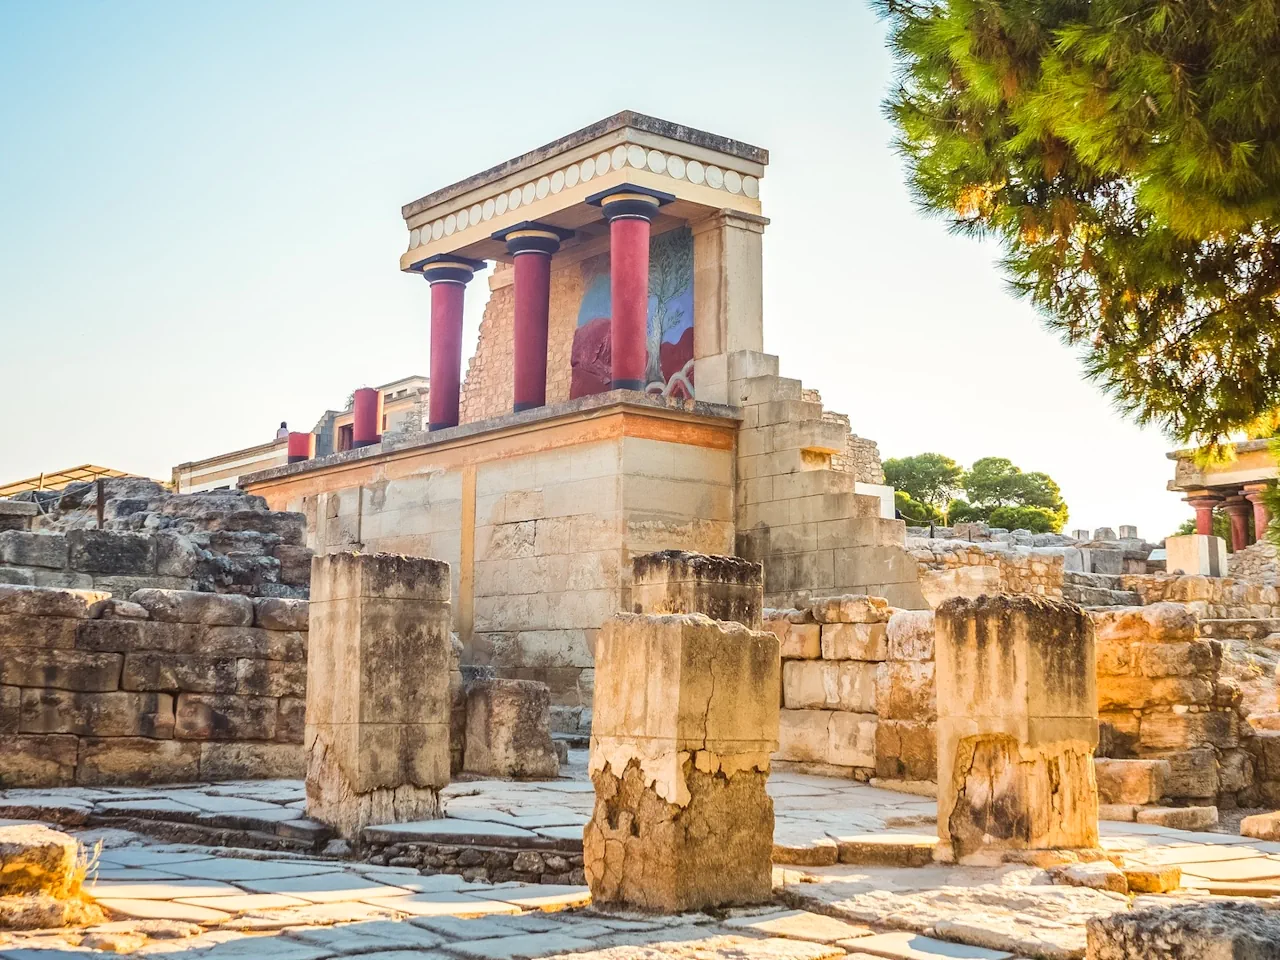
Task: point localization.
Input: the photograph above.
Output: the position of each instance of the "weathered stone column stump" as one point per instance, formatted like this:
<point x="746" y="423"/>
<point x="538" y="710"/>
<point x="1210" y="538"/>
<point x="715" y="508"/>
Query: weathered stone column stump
<point x="508" y="730"/>
<point x="1017" y="727"/>
<point x="686" y="717"/>
<point x="378" y="704"/>
<point x="676" y="581"/>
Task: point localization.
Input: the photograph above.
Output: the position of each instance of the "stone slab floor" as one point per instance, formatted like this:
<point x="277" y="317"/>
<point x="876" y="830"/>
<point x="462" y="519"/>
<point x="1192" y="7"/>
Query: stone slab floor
<point x="240" y="903"/>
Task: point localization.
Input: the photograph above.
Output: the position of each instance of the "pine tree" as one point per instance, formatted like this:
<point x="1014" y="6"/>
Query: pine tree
<point x="1127" y="155"/>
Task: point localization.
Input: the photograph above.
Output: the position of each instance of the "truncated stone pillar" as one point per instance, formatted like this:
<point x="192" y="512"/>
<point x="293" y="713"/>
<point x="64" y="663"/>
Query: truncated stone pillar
<point x="1017" y="727"/>
<point x="378" y="704"/>
<point x="675" y="581"/>
<point x="686" y="717"/>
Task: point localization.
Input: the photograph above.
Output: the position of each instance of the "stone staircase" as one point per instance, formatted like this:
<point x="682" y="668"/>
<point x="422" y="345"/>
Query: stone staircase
<point x="1097" y="590"/>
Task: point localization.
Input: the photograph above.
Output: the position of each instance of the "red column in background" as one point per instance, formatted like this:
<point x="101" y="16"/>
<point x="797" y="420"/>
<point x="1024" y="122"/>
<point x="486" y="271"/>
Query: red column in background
<point x="1238" y="510"/>
<point x="365" y="419"/>
<point x="1204" y="513"/>
<point x="448" y="275"/>
<point x="533" y="296"/>
<point x="1261" y="516"/>
<point x="629" y="293"/>
<point x="302" y="446"/>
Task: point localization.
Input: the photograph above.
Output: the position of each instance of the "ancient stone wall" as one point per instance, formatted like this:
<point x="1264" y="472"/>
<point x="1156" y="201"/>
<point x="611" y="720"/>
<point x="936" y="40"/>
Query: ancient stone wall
<point x="1255" y="564"/>
<point x="1208" y="597"/>
<point x="860" y="456"/>
<point x="960" y="568"/>
<point x="170" y="686"/>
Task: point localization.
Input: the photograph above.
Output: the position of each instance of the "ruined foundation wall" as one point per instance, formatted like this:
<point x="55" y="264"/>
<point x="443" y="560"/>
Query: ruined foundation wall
<point x="1258" y="564"/>
<point x="171" y="686"/>
<point x="959" y="568"/>
<point x="1207" y="597"/>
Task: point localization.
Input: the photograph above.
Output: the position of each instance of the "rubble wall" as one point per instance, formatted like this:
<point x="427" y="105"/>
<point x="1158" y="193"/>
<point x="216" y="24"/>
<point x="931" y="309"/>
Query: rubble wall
<point x="1208" y="597"/>
<point x="168" y="687"/>
<point x="960" y="568"/>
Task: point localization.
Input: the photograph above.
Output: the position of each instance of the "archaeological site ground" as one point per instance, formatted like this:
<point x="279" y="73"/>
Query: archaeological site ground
<point x="610" y="645"/>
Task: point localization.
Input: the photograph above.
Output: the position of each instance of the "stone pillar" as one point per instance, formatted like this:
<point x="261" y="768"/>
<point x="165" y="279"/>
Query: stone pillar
<point x="378" y="659"/>
<point x="1017" y="727"/>
<point x="630" y="211"/>
<point x="728" y="296"/>
<point x="448" y="275"/>
<point x="532" y="245"/>
<point x="686" y="717"/>
<point x="302" y="446"/>
<point x="1203" y="502"/>
<point x="1237" y="509"/>
<point x="1128" y="532"/>
<point x="674" y="581"/>
<point x="508" y="730"/>
<point x="366" y="417"/>
<point x="1196" y="555"/>
<point x="1253" y="492"/>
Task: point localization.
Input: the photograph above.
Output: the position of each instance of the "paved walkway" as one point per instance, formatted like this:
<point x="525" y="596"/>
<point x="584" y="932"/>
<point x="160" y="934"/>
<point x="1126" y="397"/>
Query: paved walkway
<point x="196" y="901"/>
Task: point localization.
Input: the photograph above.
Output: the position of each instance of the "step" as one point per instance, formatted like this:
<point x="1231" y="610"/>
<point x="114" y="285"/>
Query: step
<point x="1135" y="782"/>
<point x="1238" y="629"/>
<point x="1104" y="581"/>
<point x="1099" y="597"/>
<point x="765" y="389"/>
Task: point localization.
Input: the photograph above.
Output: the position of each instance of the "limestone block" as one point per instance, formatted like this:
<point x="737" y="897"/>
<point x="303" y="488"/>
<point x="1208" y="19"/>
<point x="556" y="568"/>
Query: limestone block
<point x="850" y="608"/>
<point x="38" y="761"/>
<point x="50" y="602"/>
<point x="208" y="716"/>
<point x="854" y="641"/>
<point x="295" y="564"/>
<point x="36" y="859"/>
<point x="1179" y="818"/>
<point x="1193" y="772"/>
<point x="116" y="714"/>
<point x="674" y="581"/>
<point x="60" y="669"/>
<point x="291" y="723"/>
<point x="10" y="708"/>
<point x="1176" y="659"/>
<point x="178" y="672"/>
<point x="804" y="736"/>
<point x="47" y="632"/>
<point x="1152" y="879"/>
<point x="270" y="678"/>
<point x="1154" y="623"/>
<point x="124" y="610"/>
<point x="111" y="552"/>
<point x="1196" y="555"/>
<point x="1221" y="930"/>
<point x="836" y="684"/>
<point x="905" y="690"/>
<point x="851" y="739"/>
<point x="1175" y="731"/>
<point x="273" y="613"/>
<point x="378" y="706"/>
<point x="1137" y="693"/>
<point x="109" y="761"/>
<point x="910" y="635"/>
<point x="190" y="606"/>
<point x="33" y="549"/>
<point x="685" y="720"/>
<point x="1131" y="781"/>
<point x="1261" y="826"/>
<point x="252" y="761"/>
<point x="906" y="750"/>
<point x="508" y="731"/>
<point x="1017" y="726"/>
<point x="799" y="641"/>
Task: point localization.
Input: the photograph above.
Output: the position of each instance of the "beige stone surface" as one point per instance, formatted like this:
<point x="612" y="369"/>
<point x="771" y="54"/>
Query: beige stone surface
<point x="1131" y="781"/>
<point x="36" y="859"/>
<point x="1180" y="818"/>
<point x="508" y="731"/>
<point x="1261" y="826"/>
<point x="674" y="581"/>
<point x="854" y="641"/>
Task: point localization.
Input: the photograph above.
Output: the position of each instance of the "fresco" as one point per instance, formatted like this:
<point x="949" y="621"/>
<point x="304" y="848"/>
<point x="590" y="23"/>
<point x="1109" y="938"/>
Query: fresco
<point x="670" y="329"/>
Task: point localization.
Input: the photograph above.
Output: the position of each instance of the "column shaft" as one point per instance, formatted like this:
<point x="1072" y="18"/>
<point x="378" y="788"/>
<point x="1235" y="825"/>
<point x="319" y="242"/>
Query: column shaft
<point x="532" y="295"/>
<point x="446" y="353"/>
<point x="1261" y="515"/>
<point x="1203" y="507"/>
<point x="1238" y="510"/>
<point x="629" y="291"/>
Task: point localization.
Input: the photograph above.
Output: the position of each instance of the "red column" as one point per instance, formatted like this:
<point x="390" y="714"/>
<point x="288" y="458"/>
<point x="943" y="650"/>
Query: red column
<point x="1238" y="510"/>
<point x="1261" y="516"/>
<point x="532" y="245"/>
<point x="365" y="417"/>
<point x="629" y="210"/>
<point x="302" y="446"/>
<point x="1203" y="506"/>
<point x="448" y="275"/>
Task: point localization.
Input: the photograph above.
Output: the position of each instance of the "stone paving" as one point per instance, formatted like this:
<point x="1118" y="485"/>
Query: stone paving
<point x="218" y="902"/>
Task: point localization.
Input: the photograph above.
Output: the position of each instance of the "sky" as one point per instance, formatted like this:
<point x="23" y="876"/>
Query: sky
<point x="200" y="223"/>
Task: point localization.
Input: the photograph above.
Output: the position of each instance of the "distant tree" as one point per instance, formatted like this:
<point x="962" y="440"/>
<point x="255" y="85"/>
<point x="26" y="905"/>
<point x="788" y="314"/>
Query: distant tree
<point x="1221" y="526"/>
<point x="995" y="482"/>
<point x="927" y="477"/>
<point x="1035" y="519"/>
<point x="913" y="511"/>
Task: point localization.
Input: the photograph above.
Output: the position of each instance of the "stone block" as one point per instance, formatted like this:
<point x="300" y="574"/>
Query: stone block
<point x="18" y="576"/>
<point x="1138" y="693"/>
<point x="910" y="635"/>
<point x="1221" y="930"/>
<point x="1131" y="781"/>
<point x="798" y="641"/>
<point x="508" y="731"/>
<point x="851" y="739"/>
<point x="1179" y="818"/>
<point x="271" y="678"/>
<point x="1154" y="623"/>
<point x="1152" y="879"/>
<point x="111" y="761"/>
<point x="291" y="724"/>
<point x="37" y="761"/>
<point x="1017" y="726"/>
<point x="111" y="552"/>
<point x="378" y="705"/>
<point x="835" y="684"/>
<point x="1177" y="731"/>
<point x="850" y="608"/>
<point x="1193" y="772"/>
<point x="685" y="720"/>
<point x="177" y="672"/>
<point x="273" y="613"/>
<point x="211" y="716"/>
<point x="1196" y="555"/>
<point x="17" y="630"/>
<point x="252" y="761"/>
<point x="60" y="669"/>
<point x="1261" y="826"/>
<point x="906" y="750"/>
<point x="804" y="736"/>
<point x="295" y="564"/>
<point x="116" y="714"/>
<point x="906" y="690"/>
<point x="33" y="549"/>
<point x="124" y="610"/>
<point x="51" y="602"/>
<point x="36" y="859"/>
<point x="675" y="581"/>
<point x="176" y="555"/>
<point x="10" y="708"/>
<point x="854" y="641"/>
<point x="190" y="606"/>
<point x="1176" y="659"/>
<point x="1106" y="561"/>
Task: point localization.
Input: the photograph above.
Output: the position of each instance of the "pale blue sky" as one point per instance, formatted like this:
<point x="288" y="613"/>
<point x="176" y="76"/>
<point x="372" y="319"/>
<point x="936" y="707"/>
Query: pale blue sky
<point x="200" y="212"/>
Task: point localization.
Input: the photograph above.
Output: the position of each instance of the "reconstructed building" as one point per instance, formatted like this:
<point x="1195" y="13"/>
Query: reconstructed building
<point x="1233" y="484"/>
<point x="619" y="402"/>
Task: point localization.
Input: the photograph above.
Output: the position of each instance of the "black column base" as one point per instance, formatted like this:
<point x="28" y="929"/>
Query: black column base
<point x="626" y="384"/>
<point x="298" y="459"/>
<point x="431" y="427"/>
<point x="527" y="405"/>
<point x="357" y="444"/>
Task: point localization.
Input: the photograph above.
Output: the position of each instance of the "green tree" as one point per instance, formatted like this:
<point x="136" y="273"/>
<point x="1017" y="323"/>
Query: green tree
<point x="1221" y="527"/>
<point x="1126" y="153"/>
<point x="913" y="511"/>
<point x="927" y="477"/>
<point x="1035" y="519"/>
